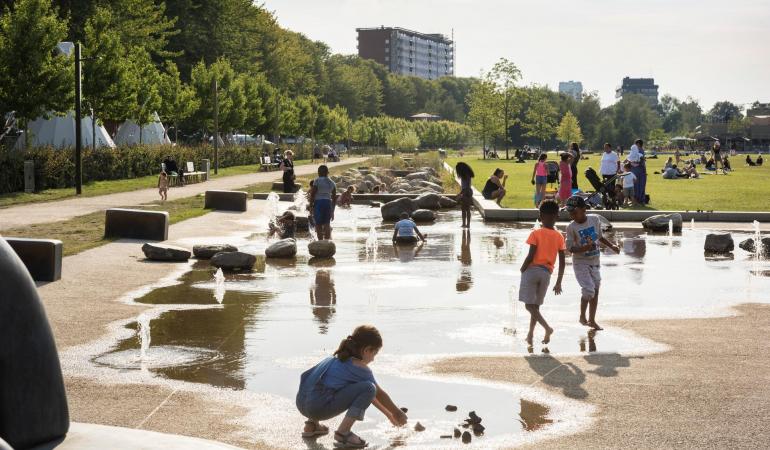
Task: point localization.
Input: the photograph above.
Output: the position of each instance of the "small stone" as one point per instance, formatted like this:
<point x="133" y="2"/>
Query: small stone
<point x="209" y="250"/>
<point x="162" y="252"/>
<point x="467" y="438"/>
<point x="473" y="418"/>
<point x="418" y="427"/>
<point x="451" y="408"/>
<point x="457" y="432"/>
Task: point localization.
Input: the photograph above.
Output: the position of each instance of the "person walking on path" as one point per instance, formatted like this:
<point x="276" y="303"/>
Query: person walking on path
<point x="639" y="169"/>
<point x="610" y="165"/>
<point x="575" y="150"/>
<point x="287" y="166"/>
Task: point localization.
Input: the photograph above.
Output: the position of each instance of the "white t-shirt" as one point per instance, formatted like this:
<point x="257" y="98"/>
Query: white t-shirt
<point x="628" y="180"/>
<point x="609" y="163"/>
<point x="405" y="227"/>
<point x="634" y="156"/>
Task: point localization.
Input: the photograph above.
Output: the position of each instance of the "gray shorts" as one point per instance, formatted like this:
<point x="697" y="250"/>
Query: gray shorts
<point x="589" y="278"/>
<point x="534" y="285"/>
<point x="628" y="192"/>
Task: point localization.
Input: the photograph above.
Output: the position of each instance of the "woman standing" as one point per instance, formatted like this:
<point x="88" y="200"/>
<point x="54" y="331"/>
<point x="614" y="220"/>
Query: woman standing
<point x="575" y="150"/>
<point x="639" y="168"/>
<point x="287" y="166"/>
<point x="465" y="197"/>
<point x="565" y="182"/>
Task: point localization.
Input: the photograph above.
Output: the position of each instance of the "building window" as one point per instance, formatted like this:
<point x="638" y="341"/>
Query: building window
<point x="387" y="41"/>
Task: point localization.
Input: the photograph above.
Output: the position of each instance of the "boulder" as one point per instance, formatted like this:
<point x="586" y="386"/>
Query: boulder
<point x="719" y="243"/>
<point x="373" y="179"/>
<point x="392" y="210"/>
<point x="423" y="215"/>
<point x="446" y="202"/>
<point x="233" y="260"/>
<point x="322" y="249"/>
<point x="209" y="250"/>
<point x="301" y="222"/>
<point x="362" y="187"/>
<point x="162" y="252"/>
<point x="285" y="248"/>
<point x="428" y="201"/>
<point x="750" y="246"/>
<point x="659" y="223"/>
<point x="432" y="186"/>
<point x="418" y="176"/>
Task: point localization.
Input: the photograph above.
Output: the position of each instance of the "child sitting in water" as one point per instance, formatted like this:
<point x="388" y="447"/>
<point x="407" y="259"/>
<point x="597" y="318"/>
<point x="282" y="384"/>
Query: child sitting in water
<point x="163" y="185"/>
<point x="284" y="226"/>
<point x="544" y="244"/>
<point x="406" y="232"/>
<point x="344" y="382"/>
<point x="346" y="197"/>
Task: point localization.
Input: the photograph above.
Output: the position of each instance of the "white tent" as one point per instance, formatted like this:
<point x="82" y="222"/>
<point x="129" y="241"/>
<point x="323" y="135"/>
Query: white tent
<point x="152" y="134"/>
<point x="59" y="132"/>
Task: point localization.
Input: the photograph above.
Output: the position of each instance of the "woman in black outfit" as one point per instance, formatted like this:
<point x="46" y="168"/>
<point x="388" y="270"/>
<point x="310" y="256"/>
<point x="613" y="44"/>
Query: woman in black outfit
<point x="287" y="165"/>
<point x="575" y="150"/>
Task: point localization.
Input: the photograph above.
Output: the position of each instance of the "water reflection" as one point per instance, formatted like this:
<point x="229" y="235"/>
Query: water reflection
<point x="407" y="252"/>
<point x="591" y="342"/>
<point x="465" y="278"/>
<point x="323" y="297"/>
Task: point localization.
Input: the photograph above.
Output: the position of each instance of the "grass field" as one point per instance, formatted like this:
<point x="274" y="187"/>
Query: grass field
<point x="84" y="232"/>
<point x="744" y="189"/>
<point x="95" y="188"/>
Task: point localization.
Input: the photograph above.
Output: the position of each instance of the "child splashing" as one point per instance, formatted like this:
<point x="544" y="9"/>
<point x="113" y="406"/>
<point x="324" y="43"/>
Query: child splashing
<point x="344" y="382"/>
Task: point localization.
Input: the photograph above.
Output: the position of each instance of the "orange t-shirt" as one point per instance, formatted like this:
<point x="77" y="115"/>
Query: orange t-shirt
<point x="548" y="243"/>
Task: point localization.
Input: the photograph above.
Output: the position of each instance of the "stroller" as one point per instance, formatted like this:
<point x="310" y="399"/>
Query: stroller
<point x="605" y="189"/>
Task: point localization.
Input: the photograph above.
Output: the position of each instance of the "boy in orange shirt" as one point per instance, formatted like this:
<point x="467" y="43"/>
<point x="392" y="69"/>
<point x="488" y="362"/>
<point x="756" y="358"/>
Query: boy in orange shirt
<point x="544" y="244"/>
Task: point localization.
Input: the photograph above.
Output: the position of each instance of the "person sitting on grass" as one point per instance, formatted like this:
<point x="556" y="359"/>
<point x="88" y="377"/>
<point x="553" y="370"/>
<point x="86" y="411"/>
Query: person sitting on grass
<point x="760" y="160"/>
<point x="711" y="165"/>
<point x="406" y="232"/>
<point x="690" y="170"/>
<point x="669" y="163"/>
<point x="726" y="167"/>
<point x="163" y="185"/>
<point x="495" y="187"/>
<point x="544" y="244"/>
<point x="749" y="162"/>
<point x="284" y="226"/>
<point x="344" y="382"/>
<point x="346" y="198"/>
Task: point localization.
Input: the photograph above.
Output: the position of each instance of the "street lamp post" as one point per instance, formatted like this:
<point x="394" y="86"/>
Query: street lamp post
<point x="78" y="124"/>
<point x="216" y="127"/>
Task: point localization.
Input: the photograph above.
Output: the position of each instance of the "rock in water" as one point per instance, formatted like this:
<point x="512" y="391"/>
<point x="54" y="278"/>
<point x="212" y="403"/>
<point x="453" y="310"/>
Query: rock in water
<point x="209" y="250"/>
<point x="418" y="427"/>
<point x="473" y="418"/>
<point x="457" y="433"/>
<point x="445" y="436"/>
<point x="302" y="222"/>
<point x="162" y="252"/>
<point x="451" y="408"/>
<point x="285" y="248"/>
<point x="233" y="260"/>
<point x="446" y="202"/>
<point x="392" y="210"/>
<point x="751" y="247"/>
<point x="423" y="215"/>
<point x="467" y="437"/>
<point x="322" y="249"/>
<point x="478" y="429"/>
<point x="719" y="243"/>
<point x="659" y="223"/>
<point x="428" y="201"/>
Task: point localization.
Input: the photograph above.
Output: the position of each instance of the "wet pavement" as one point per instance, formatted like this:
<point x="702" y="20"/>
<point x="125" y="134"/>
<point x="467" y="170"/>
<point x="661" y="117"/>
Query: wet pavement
<point x="454" y="295"/>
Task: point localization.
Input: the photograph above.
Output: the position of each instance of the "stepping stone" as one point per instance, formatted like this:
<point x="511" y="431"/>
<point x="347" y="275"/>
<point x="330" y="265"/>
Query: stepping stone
<point x="208" y="250"/>
<point x="162" y="252"/>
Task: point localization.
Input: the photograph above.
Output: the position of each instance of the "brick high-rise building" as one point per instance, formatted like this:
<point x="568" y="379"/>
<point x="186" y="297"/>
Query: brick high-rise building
<point x="407" y="52"/>
<point x="645" y="87"/>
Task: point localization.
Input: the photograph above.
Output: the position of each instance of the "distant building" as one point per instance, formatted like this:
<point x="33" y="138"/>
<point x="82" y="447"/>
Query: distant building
<point x="641" y="86"/>
<point x="407" y="52"/>
<point x="572" y="88"/>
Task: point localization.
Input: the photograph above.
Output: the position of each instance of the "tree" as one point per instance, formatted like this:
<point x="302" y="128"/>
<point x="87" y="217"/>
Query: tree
<point x="504" y="75"/>
<point x="231" y="100"/>
<point x="540" y="120"/>
<point x="405" y="140"/>
<point x="569" y="129"/>
<point x="724" y="112"/>
<point x="35" y="79"/>
<point x="146" y="90"/>
<point x="657" y="138"/>
<point x="144" y="24"/>
<point x="483" y="104"/>
<point x="739" y="126"/>
<point x="178" y="100"/>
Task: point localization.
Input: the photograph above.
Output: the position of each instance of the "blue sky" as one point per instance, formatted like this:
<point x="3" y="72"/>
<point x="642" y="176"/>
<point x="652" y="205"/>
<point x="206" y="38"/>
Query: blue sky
<point x="710" y="50"/>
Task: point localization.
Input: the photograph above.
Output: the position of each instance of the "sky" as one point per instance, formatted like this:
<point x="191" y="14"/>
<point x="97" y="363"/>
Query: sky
<point x="710" y="50"/>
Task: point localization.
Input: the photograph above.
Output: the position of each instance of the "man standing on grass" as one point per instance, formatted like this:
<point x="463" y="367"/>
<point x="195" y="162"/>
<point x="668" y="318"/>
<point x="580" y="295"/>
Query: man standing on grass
<point x="610" y="165"/>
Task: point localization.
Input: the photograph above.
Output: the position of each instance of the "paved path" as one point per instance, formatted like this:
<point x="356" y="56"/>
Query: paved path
<point x="33" y="213"/>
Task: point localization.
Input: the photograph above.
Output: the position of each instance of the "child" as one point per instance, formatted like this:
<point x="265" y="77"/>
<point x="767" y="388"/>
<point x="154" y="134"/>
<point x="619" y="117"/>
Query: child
<point x="565" y="183"/>
<point x="619" y="196"/>
<point x="406" y="232"/>
<point x="284" y="226"/>
<point x="346" y="197"/>
<point x="465" y="197"/>
<point x="344" y="382"/>
<point x="544" y="244"/>
<point x="163" y="185"/>
<point x="540" y="178"/>
<point x="583" y="235"/>
<point x="629" y="180"/>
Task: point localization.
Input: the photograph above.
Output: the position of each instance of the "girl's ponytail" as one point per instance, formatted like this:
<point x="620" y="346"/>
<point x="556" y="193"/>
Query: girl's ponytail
<point x="362" y="337"/>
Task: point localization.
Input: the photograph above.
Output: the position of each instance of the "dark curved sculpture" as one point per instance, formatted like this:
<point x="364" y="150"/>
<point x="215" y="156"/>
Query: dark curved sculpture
<point x="33" y="403"/>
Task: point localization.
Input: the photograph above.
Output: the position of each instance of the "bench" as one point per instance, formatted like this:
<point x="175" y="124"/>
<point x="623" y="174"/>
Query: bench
<point x="192" y="175"/>
<point x="136" y="224"/>
<point x="266" y="164"/>
<point x="42" y="257"/>
<point x="226" y="200"/>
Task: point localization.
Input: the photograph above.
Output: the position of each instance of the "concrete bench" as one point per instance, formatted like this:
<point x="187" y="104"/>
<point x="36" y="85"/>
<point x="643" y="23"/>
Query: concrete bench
<point x="136" y="224"/>
<point x="278" y="186"/>
<point x="226" y="200"/>
<point x="42" y="257"/>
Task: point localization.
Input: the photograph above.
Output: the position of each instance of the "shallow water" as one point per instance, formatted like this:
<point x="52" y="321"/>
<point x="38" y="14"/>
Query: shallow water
<point x="454" y="295"/>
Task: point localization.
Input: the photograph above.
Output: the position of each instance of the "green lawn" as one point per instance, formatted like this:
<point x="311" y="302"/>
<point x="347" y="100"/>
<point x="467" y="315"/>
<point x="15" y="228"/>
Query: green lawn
<point x="96" y="188"/>
<point x="744" y="189"/>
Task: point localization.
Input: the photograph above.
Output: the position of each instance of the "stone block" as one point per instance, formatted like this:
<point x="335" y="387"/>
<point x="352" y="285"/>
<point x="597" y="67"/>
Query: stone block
<point x="226" y="200"/>
<point x="136" y="224"/>
<point x="42" y="257"/>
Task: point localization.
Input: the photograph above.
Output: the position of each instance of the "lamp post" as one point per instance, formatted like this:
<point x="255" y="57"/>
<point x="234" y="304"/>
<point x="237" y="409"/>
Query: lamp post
<point x="216" y="127"/>
<point x="78" y="124"/>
